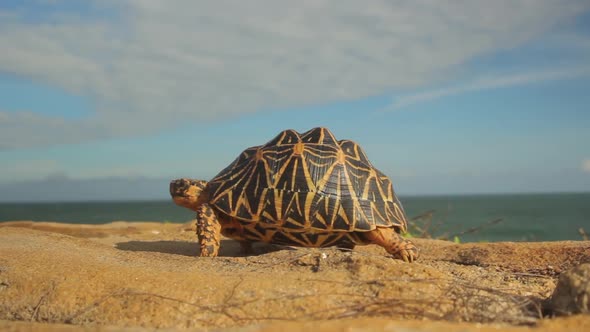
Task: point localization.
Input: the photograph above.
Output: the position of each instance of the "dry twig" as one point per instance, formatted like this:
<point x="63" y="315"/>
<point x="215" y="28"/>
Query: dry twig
<point x="583" y="233"/>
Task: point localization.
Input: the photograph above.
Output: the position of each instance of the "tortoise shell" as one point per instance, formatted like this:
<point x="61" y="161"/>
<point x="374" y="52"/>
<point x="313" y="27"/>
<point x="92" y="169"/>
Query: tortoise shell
<point x="308" y="183"/>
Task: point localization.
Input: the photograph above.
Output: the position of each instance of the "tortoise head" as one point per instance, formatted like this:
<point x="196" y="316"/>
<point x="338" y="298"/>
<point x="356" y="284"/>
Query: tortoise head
<point x="188" y="193"/>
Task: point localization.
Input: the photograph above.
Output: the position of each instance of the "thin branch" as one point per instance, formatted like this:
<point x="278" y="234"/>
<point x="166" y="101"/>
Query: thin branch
<point x="474" y="229"/>
<point x="583" y="233"/>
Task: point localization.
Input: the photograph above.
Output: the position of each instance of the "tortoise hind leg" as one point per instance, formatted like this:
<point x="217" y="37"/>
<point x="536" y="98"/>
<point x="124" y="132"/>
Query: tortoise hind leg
<point x="208" y="231"/>
<point x="393" y="243"/>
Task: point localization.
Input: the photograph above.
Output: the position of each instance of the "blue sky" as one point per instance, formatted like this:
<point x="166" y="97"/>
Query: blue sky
<point x="484" y="97"/>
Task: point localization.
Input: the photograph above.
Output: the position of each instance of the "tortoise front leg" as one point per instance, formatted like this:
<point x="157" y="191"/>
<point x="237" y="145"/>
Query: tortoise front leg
<point x="208" y="231"/>
<point x="393" y="243"/>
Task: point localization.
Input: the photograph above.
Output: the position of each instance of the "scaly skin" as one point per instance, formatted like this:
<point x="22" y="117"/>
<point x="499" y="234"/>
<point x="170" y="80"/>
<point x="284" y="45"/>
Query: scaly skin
<point x="394" y="244"/>
<point x="208" y="231"/>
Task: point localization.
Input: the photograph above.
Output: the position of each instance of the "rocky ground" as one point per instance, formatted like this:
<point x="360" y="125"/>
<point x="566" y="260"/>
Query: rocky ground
<point x="146" y="275"/>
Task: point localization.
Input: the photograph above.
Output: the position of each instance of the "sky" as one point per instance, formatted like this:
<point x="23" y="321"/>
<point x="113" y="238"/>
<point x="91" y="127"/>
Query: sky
<point x="107" y="100"/>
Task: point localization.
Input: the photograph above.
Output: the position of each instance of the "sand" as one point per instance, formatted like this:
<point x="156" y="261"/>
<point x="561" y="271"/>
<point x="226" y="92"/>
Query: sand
<point x="137" y="276"/>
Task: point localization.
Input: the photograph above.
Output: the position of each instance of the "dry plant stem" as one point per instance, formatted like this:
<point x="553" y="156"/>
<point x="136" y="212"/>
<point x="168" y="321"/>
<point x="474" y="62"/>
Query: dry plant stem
<point x="473" y="229"/>
<point x="583" y="233"/>
<point x="42" y="299"/>
<point x="423" y="232"/>
<point x="478" y="228"/>
<point x="427" y="229"/>
<point x="461" y="301"/>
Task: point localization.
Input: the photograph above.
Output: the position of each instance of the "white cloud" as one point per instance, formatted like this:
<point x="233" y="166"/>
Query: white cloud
<point x="490" y="83"/>
<point x="158" y="63"/>
<point x="586" y="165"/>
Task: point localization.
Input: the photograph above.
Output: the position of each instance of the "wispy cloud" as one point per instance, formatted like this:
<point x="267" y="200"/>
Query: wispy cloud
<point x="485" y="83"/>
<point x="24" y="129"/>
<point x="181" y="61"/>
<point x="10" y="170"/>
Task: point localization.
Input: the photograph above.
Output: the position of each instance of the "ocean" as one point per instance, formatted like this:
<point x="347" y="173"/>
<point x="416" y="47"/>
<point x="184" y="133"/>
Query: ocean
<point x="472" y="218"/>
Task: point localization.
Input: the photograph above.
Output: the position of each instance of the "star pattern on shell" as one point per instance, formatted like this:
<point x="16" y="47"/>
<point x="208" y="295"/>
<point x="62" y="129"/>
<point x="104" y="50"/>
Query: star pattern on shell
<point x="307" y="183"/>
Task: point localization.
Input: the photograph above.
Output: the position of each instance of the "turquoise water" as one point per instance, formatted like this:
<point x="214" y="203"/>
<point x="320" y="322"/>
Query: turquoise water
<point x="524" y="217"/>
<point x="538" y="217"/>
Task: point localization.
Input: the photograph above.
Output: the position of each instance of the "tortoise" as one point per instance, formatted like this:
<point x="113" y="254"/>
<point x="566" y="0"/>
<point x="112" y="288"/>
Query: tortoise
<point x="307" y="190"/>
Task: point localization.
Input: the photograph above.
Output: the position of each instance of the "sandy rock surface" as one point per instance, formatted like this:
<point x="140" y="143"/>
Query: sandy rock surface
<point x="572" y="293"/>
<point x="146" y="275"/>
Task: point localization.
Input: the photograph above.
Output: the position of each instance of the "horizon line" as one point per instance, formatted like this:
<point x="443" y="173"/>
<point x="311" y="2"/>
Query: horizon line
<point x="412" y="195"/>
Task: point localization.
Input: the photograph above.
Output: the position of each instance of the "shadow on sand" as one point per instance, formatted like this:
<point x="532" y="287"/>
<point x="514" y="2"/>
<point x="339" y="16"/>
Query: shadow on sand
<point x="228" y="248"/>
